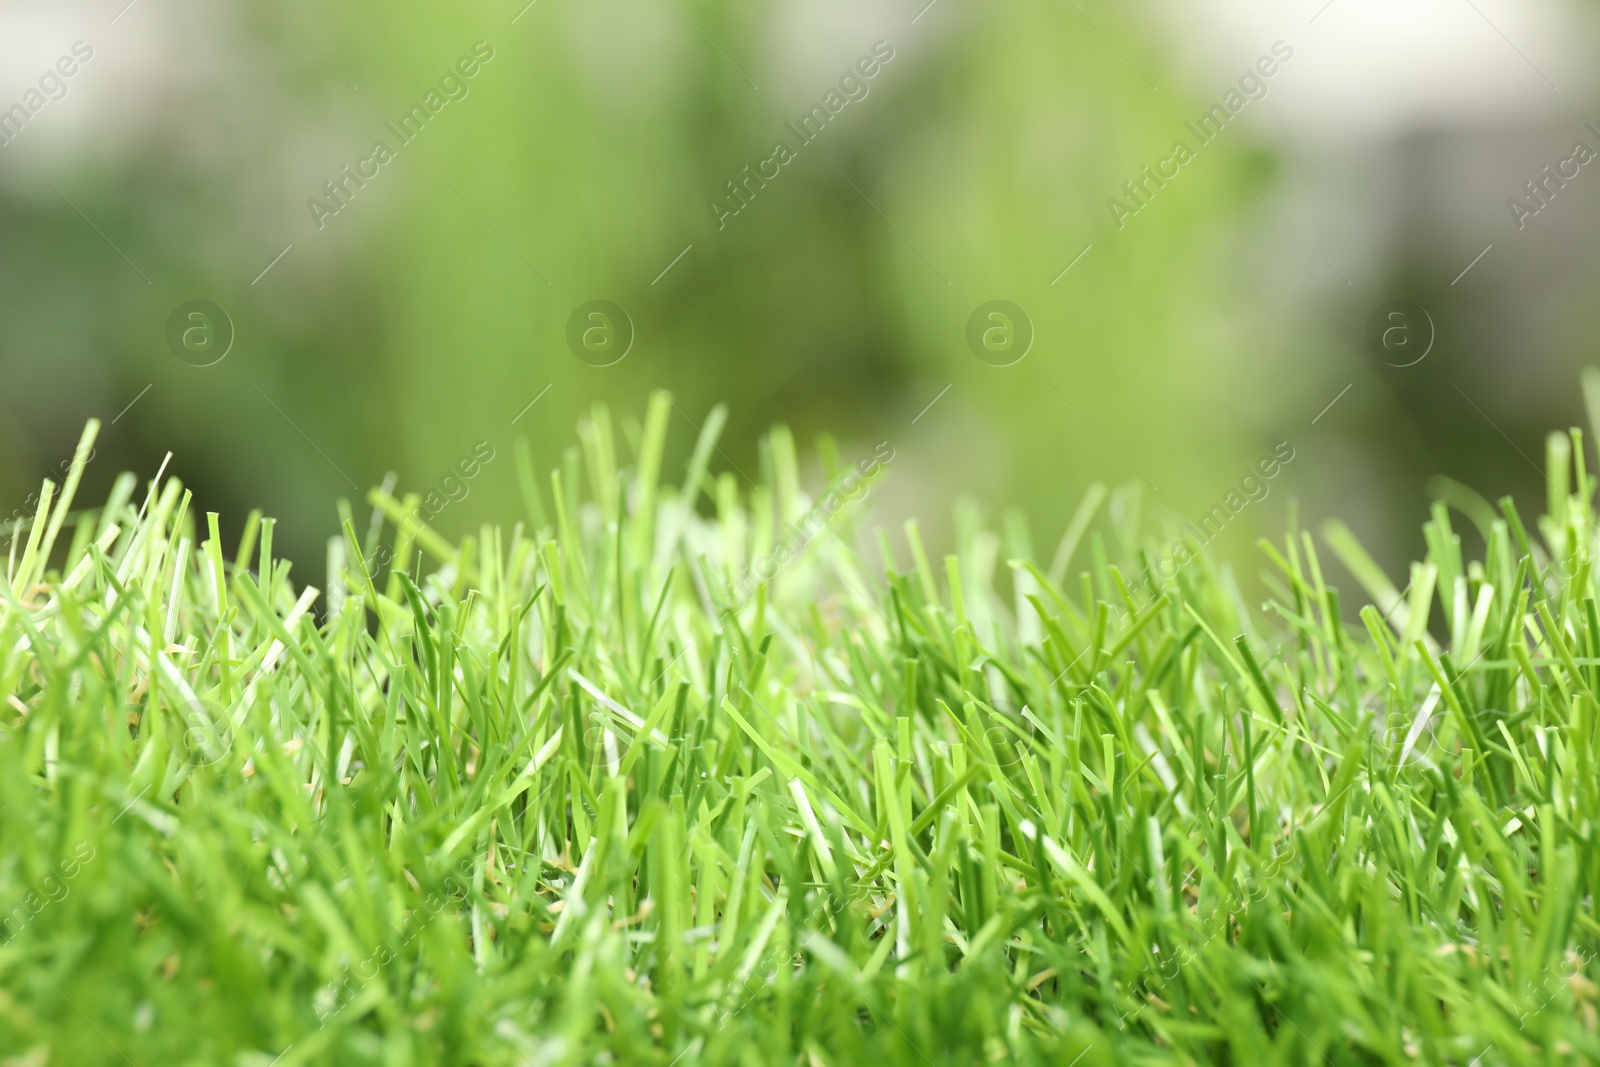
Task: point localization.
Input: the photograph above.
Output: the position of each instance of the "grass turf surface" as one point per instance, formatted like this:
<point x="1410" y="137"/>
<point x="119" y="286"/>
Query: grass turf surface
<point x="566" y="800"/>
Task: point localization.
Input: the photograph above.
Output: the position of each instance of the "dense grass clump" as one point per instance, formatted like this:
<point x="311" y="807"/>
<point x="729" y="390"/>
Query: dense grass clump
<point x="556" y="795"/>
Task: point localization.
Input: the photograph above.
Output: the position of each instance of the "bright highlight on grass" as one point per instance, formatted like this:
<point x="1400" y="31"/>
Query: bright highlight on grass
<point x="554" y="803"/>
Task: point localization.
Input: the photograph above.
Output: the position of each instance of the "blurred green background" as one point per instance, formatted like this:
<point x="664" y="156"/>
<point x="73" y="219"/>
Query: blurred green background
<point x="428" y="312"/>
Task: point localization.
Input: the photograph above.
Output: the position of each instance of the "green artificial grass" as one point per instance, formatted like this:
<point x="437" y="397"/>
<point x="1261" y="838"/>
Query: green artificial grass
<point x="565" y="799"/>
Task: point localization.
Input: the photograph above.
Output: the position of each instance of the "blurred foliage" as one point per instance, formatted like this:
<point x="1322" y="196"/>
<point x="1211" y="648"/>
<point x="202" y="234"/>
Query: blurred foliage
<point x="423" y="317"/>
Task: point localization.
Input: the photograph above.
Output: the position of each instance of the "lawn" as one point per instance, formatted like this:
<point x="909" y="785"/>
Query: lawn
<point x="555" y="795"/>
